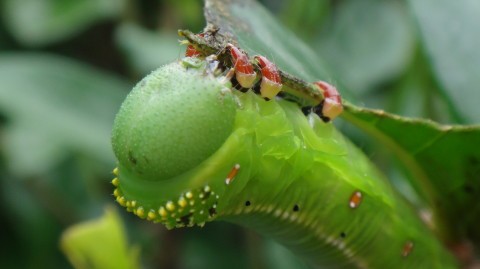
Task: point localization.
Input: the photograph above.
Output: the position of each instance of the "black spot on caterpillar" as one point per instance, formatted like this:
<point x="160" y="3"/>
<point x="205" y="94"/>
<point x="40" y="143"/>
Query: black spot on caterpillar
<point x="212" y="150"/>
<point x="132" y="159"/>
<point x="212" y="211"/>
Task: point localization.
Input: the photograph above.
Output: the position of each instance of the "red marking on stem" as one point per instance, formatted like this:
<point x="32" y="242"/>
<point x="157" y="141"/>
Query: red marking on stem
<point x="329" y="91"/>
<point x="244" y="72"/>
<point x="271" y="81"/>
<point x="242" y="64"/>
<point x="332" y="104"/>
<point x="269" y="70"/>
<point x="192" y="51"/>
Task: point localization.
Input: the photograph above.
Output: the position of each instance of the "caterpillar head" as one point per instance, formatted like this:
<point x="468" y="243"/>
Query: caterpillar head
<point x="171" y="122"/>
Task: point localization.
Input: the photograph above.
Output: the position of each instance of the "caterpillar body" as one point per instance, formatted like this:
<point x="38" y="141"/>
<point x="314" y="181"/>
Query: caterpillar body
<point x="192" y="149"/>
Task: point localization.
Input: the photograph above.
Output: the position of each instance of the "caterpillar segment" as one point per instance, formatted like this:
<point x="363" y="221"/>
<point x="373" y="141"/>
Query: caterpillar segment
<point x="192" y="149"/>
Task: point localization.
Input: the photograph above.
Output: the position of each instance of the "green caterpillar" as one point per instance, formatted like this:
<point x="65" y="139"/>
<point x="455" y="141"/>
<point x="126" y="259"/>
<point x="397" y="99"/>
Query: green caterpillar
<point x="192" y="149"/>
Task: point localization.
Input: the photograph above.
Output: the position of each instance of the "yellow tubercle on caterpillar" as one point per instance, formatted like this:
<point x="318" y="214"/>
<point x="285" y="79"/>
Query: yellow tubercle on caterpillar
<point x="182" y="202"/>
<point x="193" y="207"/>
<point x="170" y="206"/>
<point x="163" y="213"/>
<point x="121" y="200"/>
<point x="140" y="212"/>
<point x="151" y="215"/>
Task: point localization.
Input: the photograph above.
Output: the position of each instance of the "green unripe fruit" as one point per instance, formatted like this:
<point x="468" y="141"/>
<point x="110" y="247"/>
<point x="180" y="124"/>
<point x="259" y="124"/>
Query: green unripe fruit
<point x="156" y="134"/>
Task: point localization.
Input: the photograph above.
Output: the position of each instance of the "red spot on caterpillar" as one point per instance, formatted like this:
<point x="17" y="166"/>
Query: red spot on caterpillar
<point x="232" y="174"/>
<point x="407" y="248"/>
<point x="355" y="199"/>
<point x="463" y="251"/>
<point x="271" y="81"/>
<point x="244" y="72"/>
<point x="332" y="104"/>
<point x="192" y="51"/>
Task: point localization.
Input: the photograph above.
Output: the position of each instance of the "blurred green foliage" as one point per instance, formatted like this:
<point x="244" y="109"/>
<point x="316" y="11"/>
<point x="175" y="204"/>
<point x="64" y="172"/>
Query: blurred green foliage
<point x="66" y="65"/>
<point x="85" y="244"/>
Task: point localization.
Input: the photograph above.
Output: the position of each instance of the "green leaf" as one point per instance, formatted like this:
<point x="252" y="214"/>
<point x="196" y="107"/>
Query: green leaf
<point x="28" y="226"/>
<point x="279" y="257"/>
<point x="367" y="42"/>
<point x="147" y="50"/>
<point x="41" y="22"/>
<point x="55" y="106"/>
<point x="99" y="244"/>
<point x="189" y="11"/>
<point x="443" y="162"/>
<point x="417" y="94"/>
<point x="451" y="37"/>
<point x="211" y="247"/>
<point x="304" y="16"/>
